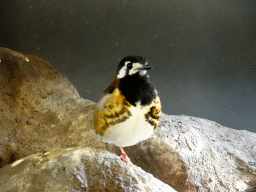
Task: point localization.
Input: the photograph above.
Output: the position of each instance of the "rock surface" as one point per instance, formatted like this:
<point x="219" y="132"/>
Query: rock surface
<point x="193" y="154"/>
<point x="83" y="169"/>
<point x="217" y="158"/>
<point x="41" y="112"/>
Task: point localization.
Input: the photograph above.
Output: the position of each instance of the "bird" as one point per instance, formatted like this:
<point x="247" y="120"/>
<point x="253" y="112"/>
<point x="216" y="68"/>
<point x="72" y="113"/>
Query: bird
<point x="130" y="109"/>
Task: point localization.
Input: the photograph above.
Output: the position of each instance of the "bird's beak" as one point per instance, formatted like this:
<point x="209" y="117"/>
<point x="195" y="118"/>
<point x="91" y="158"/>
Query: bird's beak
<point x="144" y="69"/>
<point x="147" y="67"/>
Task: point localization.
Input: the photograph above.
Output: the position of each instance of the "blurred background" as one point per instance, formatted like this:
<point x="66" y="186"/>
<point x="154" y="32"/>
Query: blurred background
<point x="203" y="52"/>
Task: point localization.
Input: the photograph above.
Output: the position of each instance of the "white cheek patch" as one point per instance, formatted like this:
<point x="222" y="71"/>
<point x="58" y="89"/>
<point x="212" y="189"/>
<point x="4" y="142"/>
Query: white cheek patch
<point x="122" y="72"/>
<point x="135" y="68"/>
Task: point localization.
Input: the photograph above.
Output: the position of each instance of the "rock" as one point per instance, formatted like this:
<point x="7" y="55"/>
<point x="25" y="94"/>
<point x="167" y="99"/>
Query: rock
<point x="41" y="112"/>
<point x="250" y="190"/>
<point x="83" y="169"/>
<point x="160" y="159"/>
<point x="193" y="154"/>
<point x="217" y="158"/>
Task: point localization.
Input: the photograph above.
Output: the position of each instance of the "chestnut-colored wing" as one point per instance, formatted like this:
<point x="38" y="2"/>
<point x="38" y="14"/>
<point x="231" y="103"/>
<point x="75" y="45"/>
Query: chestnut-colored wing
<point x="111" y="109"/>
<point x="154" y="113"/>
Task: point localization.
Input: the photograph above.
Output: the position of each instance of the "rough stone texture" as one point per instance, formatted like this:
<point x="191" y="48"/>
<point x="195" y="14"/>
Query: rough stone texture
<point x="193" y="154"/>
<point x="160" y="159"/>
<point x="40" y="111"/>
<point x="84" y="169"/>
<point x="217" y="158"/>
<point x="250" y="190"/>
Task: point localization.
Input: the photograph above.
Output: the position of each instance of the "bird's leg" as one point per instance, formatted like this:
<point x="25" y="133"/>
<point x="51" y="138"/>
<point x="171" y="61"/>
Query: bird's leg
<point x="127" y="160"/>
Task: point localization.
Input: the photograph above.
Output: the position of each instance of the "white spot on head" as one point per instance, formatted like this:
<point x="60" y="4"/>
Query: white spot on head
<point x="136" y="67"/>
<point x="122" y="72"/>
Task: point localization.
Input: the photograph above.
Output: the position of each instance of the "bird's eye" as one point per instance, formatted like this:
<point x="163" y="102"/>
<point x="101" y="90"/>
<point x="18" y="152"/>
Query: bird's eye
<point x="129" y="65"/>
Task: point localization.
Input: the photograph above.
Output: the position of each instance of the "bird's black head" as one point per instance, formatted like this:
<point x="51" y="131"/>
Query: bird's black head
<point x="132" y="65"/>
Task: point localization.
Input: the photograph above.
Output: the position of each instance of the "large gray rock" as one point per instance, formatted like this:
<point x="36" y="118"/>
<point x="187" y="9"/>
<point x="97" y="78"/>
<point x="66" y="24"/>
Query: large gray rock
<point x="193" y="154"/>
<point x="217" y="158"/>
<point x="83" y="169"/>
<point x="40" y="111"/>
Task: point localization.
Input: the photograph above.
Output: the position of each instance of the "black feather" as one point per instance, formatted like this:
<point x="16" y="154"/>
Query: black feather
<point x="137" y="88"/>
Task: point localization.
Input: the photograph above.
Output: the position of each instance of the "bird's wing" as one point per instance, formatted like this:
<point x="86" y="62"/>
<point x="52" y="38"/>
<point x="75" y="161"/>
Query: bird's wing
<point x="112" y="108"/>
<point x="154" y="113"/>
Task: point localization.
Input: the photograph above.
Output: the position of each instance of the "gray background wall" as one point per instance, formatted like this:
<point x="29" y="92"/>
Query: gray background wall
<point x="203" y="51"/>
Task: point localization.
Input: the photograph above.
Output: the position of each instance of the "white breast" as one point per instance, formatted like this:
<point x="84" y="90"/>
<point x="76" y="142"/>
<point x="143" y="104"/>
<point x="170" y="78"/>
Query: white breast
<point x="131" y="131"/>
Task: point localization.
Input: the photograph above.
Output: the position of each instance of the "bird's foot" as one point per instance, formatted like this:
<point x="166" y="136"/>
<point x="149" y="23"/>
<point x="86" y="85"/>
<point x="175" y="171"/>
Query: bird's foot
<point x="128" y="161"/>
